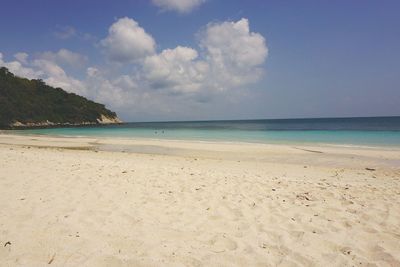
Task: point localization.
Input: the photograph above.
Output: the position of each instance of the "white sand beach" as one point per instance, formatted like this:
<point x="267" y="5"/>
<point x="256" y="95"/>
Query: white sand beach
<point x="74" y="202"/>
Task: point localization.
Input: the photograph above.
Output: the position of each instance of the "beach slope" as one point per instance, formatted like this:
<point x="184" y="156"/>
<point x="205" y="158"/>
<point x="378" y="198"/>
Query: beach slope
<point x="105" y="202"/>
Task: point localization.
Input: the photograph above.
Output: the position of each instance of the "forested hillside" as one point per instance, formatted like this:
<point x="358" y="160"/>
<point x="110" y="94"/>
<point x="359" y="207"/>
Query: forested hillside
<point x="25" y="102"/>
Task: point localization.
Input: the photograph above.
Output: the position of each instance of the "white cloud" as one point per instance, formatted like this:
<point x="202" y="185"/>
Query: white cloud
<point x="234" y="53"/>
<point x="95" y="86"/>
<point x="55" y="76"/>
<point x="48" y="67"/>
<point x="19" y="68"/>
<point x="44" y="69"/>
<point x="102" y="89"/>
<point x="92" y="71"/>
<point x="181" y="6"/>
<point x="232" y="57"/>
<point x="176" y="69"/>
<point x="171" y="82"/>
<point x="22" y="57"/>
<point x="127" y="41"/>
<point x="125" y="82"/>
<point x="65" y="57"/>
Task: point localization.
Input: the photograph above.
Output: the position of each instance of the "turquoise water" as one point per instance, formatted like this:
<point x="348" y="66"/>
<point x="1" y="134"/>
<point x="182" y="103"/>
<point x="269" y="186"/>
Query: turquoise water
<point x="383" y="131"/>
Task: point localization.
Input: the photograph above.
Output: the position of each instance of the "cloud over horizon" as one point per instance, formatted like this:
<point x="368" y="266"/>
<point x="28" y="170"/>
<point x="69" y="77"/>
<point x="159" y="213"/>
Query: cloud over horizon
<point x="65" y="57"/>
<point x="229" y="57"/>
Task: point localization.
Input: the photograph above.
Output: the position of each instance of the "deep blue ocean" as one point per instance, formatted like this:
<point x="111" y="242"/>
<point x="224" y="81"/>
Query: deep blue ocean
<point x="373" y="131"/>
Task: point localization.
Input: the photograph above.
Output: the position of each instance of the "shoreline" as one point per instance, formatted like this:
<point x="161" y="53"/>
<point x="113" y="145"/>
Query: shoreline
<point x="270" y="153"/>
<point x="96" y="141"/>
<point x="210" y="141"/>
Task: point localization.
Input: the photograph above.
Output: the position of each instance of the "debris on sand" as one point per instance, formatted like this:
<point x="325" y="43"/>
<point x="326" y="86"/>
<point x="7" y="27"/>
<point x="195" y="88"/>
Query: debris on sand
<point x="52" y="259"/>
<point x="304" y="196"/>
<point x="308" y="150"/>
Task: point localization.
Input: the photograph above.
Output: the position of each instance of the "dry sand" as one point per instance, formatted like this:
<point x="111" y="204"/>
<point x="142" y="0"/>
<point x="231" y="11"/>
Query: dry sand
<point x="72" y="202"/>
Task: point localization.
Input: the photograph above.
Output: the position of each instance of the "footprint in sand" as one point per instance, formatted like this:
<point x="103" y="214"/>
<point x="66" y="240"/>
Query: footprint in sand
<point x="221" y="243"/>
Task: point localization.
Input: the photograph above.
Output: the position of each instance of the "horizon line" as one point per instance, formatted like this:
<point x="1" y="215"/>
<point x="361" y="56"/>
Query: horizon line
<point x="298" y="118"/>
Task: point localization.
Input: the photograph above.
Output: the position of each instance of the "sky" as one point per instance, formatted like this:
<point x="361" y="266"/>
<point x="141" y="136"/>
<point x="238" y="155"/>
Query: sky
<point x="161" y="60"/>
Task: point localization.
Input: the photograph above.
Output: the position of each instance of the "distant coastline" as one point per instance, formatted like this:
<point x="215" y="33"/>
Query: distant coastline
<point x="271" y="119"/>
<point x="49" y="124"/>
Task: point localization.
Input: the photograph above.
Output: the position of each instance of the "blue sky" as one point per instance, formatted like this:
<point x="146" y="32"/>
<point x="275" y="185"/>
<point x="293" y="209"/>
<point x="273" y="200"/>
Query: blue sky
<point x="213" y="59"/>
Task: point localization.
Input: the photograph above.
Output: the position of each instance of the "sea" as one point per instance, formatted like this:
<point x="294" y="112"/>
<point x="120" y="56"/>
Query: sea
<point x="363" y="131"/>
